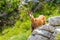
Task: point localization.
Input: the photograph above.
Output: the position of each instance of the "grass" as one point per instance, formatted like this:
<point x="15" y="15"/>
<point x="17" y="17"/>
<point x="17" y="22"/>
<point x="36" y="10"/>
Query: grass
<point x="20" y="31"/>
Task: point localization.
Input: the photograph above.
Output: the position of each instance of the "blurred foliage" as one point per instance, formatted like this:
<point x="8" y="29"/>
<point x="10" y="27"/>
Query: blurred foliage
<point x="15" y="22"/>
<point x="57" y="36"/>
<point x="8" y="11"/>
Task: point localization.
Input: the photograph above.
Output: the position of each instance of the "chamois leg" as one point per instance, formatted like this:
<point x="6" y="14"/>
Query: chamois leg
<point x="44" y="23"/>
<point x="32" y="28"/>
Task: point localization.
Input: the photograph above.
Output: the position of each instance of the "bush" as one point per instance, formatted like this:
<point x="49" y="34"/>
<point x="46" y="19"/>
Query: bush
<point x="8" y="11"/>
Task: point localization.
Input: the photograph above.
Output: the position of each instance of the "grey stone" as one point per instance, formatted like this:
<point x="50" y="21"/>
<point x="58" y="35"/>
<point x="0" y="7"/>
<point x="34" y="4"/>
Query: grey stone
<point x="42" y="32"/>
<point x="54" y="20"/>
<point x="56" y="32"/>
<point x="47" y="27"/>
<point x="56" y="27"/>
<point x="48" y="31"/>
<point x="37" y="37"/>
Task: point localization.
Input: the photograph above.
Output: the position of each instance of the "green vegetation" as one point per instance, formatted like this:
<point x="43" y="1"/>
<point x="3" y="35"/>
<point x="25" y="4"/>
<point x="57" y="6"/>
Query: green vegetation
<point x="15" y="23"/>
<point x="57" y="36"/>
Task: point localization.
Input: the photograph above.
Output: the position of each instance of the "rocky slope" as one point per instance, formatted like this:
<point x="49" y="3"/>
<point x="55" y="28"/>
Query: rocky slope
<point x="48" y="31"/>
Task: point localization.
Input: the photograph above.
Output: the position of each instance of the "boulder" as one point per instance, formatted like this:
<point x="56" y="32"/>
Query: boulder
<point x="54" y="21"/>
<point x="47" y="27"/>
<point x="55" y="34"/>
<point x="48" y="31"/>
<point x="42" y="33"/>
<point x="37" y="37"/>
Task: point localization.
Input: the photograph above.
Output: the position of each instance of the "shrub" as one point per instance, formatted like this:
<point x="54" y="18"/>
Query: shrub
<point x="8" y="11"/>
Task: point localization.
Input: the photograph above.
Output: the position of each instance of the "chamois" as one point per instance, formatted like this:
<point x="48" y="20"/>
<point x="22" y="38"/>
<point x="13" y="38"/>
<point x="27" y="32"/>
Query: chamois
<point x="36" y="22"/>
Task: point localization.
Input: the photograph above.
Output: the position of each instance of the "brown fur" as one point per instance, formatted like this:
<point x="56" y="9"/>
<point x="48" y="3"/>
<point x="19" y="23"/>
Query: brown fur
<point x="36" y="22"/>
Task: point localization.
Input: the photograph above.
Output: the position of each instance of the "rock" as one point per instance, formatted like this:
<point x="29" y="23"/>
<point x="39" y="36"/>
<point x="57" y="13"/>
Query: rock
<point x="37" y="37"/>
<point x="42" y="32"/>
<point x="54" y="21"/>
<point x="35" y="0"/>
<point x="48" y="31"/>
<point x="47" y="27"/>
<point x="55" y="34"/>
<point x="57" y="27"/>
